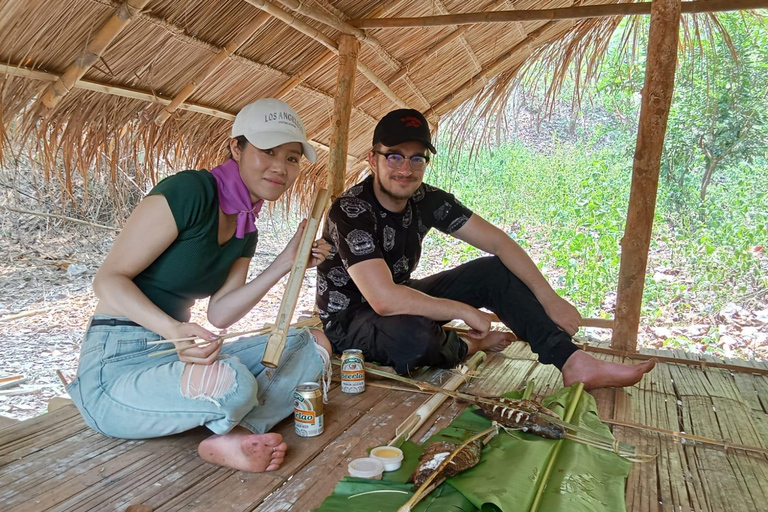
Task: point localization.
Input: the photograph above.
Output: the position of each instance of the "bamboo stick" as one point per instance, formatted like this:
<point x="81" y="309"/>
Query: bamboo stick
<point x="657" y="93"/>
<point x="276" y="341"/>
<point x="12" y="378"/>
<point x="565" y="13"/>
<point x="123" y="15"/>
<point x="413" y="422"/>
<point x="326" y="41"/>
<point x="430" y="483"/>
<point x="221" y="57"/>
<point x="58" y="217"/>
<point x="349" y="48"/>
<point x="682" y="437"/>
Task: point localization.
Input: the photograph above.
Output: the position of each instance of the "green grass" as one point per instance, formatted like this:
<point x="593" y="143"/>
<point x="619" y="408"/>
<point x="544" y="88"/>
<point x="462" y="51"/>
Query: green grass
<point x="568" y="209"/>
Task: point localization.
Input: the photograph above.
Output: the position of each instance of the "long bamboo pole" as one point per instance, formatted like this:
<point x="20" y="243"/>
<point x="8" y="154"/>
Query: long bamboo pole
<point x="123" y="15"/>
<point x="276" y="341"/>
<point x="663" y="38"/>
<point x="587" y="11"/>
<point x="313" y="33"/>
<point x="349" y="48"/>
<point x="221" y="57"/>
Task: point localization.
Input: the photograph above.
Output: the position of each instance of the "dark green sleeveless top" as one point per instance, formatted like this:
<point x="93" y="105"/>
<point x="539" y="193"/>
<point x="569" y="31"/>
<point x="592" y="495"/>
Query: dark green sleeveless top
<point x="194" y="266"/>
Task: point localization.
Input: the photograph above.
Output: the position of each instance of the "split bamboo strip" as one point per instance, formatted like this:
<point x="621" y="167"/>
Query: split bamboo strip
<point x="726" y="445"/>
<point x="59" y="217"/>
<point x="318" y="64"/>
<point x="24" y="314"/>
<point x="326" y="41"/>
<point x="565" y="13"/>
<point x="657" y="93"/>
<point x="92" y="52"/>
<point x="223" y="55"/>
<point x="573" y="401"/>
<point x="428" y="486"/>
<point x="276" y="341"/>
<point x="12" y="378"/>
<point x="413" y="422"/>
<point x="349" y="48"/>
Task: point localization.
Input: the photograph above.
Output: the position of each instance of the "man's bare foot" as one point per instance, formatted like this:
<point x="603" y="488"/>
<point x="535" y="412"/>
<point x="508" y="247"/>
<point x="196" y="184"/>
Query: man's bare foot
<point x="496" y="341"/>
<point x="242" y="450"/>
<point x="596" y="373"/>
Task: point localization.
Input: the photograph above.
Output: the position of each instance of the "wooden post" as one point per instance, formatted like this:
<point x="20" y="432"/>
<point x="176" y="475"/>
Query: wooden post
<point x="349" y="47"/>
<point x="654" y="110"/>
<point x="276" y="340"/>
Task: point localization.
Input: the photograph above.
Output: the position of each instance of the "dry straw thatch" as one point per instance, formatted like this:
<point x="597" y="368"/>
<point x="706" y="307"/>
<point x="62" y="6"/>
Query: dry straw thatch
<point x="124" y="63"/>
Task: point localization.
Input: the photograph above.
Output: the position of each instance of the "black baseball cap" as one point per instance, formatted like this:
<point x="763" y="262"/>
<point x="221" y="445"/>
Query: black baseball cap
<point x="403" y="125"/>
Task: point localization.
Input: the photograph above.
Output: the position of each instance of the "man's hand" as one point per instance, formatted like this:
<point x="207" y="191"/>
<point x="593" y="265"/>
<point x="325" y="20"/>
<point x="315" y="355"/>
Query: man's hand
<point x="478" y="321"/>
<point x="206" y="354"/>
<point x="563" y="314"/>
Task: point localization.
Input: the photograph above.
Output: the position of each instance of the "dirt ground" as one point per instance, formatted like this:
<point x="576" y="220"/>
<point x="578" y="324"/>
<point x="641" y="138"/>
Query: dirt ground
<point x="46" y="269"/>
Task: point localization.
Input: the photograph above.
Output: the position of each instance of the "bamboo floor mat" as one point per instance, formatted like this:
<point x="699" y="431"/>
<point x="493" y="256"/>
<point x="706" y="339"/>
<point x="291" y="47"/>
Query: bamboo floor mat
<point x="55" y="463"/>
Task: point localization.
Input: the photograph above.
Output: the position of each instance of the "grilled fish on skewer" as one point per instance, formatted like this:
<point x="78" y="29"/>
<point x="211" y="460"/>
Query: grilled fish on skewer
<point x="515" y="414"/>
<point x="436" y="453"/>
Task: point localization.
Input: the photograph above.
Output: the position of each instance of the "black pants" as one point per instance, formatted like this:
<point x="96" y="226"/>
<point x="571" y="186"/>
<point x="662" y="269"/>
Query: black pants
<point x="408" y="341"/>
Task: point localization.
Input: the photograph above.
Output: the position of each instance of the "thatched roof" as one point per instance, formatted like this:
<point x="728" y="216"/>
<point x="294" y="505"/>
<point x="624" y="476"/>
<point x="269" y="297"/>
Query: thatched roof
<point x="115" y="110"/>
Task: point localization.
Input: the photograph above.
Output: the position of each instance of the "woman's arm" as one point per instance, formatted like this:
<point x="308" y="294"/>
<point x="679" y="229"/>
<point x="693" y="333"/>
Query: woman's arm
<point x="149" y="231"/>
<point x="236" y="298"/>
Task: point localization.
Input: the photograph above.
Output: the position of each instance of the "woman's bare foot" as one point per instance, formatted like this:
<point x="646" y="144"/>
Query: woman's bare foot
<point x="496" y="341"/>
<point x="596" y="373"/>
<point x="242" y="450"/>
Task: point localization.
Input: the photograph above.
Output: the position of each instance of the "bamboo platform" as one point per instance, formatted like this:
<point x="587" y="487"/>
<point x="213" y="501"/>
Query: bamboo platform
<point x="55" y="463"/>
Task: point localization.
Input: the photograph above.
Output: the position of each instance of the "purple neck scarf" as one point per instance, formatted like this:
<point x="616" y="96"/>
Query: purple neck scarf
<point x="235" y="198"/>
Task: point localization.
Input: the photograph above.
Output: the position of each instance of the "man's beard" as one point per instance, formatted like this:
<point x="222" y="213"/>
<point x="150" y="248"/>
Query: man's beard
<point x="390" y="193"/>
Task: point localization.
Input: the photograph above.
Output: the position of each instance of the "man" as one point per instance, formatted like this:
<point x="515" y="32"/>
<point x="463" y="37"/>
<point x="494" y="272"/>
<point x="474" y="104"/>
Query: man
<point x="367" y="299"/>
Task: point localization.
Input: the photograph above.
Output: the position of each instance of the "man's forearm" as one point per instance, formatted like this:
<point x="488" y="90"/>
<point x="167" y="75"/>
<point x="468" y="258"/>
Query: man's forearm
<point x="402" y="300"/>
<point x="519" y="263"/>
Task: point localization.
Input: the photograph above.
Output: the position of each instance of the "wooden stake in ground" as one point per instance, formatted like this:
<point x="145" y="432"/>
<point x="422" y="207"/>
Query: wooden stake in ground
<point x="276" y="341"/>
<point x="657" y="92"/>
<point x="349" y="47"/>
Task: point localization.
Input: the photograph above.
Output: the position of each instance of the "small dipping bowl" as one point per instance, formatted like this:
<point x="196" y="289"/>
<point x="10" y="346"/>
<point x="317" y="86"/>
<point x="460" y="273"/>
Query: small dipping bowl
<point x="366" y="468"/>
<point x="390" y="456"/>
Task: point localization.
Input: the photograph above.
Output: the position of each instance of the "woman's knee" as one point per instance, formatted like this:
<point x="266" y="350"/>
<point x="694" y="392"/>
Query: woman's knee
<point x="226" y="382"/>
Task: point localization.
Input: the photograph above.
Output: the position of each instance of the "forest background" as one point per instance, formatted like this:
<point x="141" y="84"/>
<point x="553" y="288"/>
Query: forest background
<point x="552" y="167"/>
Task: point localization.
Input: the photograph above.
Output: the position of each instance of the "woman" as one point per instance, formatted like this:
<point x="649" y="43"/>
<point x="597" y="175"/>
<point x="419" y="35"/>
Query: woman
<point x="193" y="236"/>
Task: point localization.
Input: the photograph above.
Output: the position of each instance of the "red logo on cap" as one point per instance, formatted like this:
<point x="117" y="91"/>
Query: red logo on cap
<point x="411" y="122"/>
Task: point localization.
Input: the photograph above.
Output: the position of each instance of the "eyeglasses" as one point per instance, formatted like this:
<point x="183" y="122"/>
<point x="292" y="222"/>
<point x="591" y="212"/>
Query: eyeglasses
<point x="396" y="160"/>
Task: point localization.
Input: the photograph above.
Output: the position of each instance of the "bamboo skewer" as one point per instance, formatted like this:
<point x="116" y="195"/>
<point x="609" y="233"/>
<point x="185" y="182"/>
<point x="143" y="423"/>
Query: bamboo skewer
<point x="565" y="13"/>
<point x="276" y="341"/>
<point x="433" y="481"/>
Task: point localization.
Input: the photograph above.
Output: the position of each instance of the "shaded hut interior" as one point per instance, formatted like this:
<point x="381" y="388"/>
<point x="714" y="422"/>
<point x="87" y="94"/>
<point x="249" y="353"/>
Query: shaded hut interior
<point x="97" y="84"/>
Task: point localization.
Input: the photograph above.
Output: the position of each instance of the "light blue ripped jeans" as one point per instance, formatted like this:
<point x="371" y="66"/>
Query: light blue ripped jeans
<point x="122" y="392"/>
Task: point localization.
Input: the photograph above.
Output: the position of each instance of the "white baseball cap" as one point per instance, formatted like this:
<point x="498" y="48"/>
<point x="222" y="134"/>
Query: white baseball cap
<point x="268" y="123"/>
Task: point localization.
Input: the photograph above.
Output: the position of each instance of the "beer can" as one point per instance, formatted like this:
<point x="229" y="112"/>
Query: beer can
<point x="308" y="409"/>
<point x="352" y="371"/>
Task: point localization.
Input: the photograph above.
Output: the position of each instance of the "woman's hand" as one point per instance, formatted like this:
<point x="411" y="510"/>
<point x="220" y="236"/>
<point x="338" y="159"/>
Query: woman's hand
<point x="320" y="249"/>
<point x="205" y="354"/>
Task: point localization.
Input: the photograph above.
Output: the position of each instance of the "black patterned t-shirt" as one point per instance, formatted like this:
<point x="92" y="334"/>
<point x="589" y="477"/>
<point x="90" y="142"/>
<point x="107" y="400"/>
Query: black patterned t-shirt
<point x="358" y="228"/>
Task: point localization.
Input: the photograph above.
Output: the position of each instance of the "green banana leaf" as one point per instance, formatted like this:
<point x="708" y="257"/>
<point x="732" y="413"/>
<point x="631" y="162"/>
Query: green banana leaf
<point x="508" y="475"/>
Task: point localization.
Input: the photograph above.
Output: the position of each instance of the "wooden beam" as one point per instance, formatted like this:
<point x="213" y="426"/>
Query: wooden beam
<point x="131" y="93"/>
<point x="349" y="48"/>
<point x="221" y="57"/>
<point x="276" y="340"/>
<point x="326" y="41"/>
<point x="587" y="11"/>
<point x="321" y="61"/>
<point x="661" y="60"/>
<point x="92" y="52"/>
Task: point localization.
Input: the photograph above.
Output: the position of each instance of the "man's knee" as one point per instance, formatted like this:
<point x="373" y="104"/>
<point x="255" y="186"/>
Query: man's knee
<point x="413" y="341"/>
